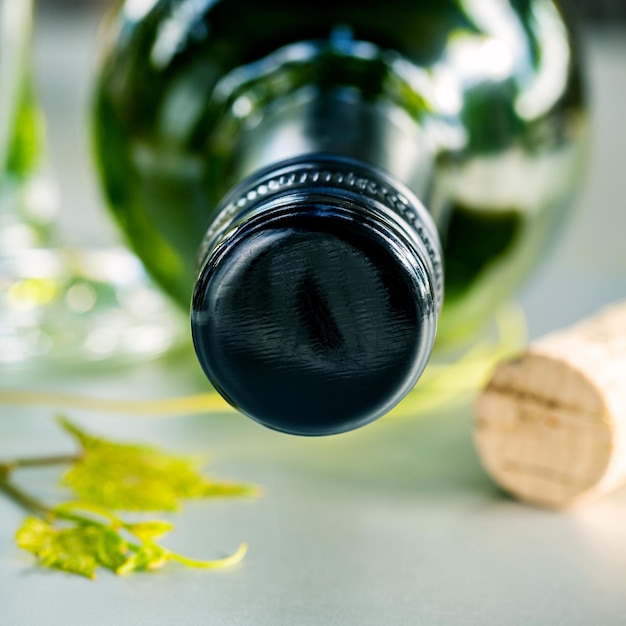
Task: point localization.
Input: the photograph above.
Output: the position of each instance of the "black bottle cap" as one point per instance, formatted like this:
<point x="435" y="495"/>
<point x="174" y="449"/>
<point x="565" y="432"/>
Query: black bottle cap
<point x="312" y="316"/>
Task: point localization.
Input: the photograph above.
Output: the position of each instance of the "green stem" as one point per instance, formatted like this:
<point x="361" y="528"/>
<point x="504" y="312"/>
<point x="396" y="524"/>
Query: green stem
<point x="64" y="511"/>
<point x="233" y="559"/>
<point x="25" y="500"/>
<point x="19" y="496"/>
<point x="32" y="505"/>
<point x="7" y="467"/>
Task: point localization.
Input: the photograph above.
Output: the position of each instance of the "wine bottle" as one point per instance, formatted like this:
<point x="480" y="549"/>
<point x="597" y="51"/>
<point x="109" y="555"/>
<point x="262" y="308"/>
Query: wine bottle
<point x="310" y="175"/>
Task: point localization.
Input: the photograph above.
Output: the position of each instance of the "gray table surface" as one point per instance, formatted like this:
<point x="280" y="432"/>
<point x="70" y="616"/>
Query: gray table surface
<point x="395" y="524"/>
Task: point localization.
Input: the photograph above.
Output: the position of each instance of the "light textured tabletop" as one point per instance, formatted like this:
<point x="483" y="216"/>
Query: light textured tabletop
<point x="395" y="524"/>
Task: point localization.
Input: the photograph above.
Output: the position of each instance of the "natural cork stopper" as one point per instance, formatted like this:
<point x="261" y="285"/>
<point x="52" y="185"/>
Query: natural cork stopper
<point x="551" y="426"/>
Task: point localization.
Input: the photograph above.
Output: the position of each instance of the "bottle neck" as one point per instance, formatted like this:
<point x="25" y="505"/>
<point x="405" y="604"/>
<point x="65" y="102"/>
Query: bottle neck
<point x="338" y="122"/>
<point x="336" y="96"/>
<point x="339" y="108"/>
<point x="353" y="189"/>
<point x="320" y="279"/>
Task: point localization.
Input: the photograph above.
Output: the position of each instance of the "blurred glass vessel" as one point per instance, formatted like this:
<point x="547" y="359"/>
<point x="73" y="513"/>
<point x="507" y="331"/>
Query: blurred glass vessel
<point x="59" y="306"/>
<point x="318" y="173"/>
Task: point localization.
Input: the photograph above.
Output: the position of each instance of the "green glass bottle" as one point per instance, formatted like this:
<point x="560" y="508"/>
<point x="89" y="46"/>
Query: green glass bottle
<point x="310" y="176"/>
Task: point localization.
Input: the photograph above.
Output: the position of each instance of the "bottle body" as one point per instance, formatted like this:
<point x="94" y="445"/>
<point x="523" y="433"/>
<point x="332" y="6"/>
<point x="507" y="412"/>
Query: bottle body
<point x="475" y="107"/>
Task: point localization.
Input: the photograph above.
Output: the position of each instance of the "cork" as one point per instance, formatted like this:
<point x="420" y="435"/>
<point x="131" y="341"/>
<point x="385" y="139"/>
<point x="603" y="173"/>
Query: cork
<point x="550" y="426"/>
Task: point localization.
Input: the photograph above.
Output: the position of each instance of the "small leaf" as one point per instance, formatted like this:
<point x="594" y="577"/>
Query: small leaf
<point x="69" y="549"/>
<point x="111" y="549"/>
<point x="139" y="478"/>
<point x="149" y="556"/>
<point x="34" y="535"/>
<point x="149" y="531"/>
